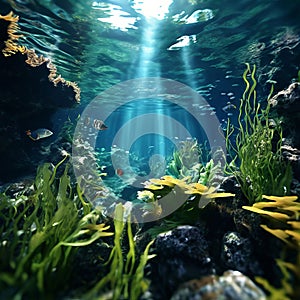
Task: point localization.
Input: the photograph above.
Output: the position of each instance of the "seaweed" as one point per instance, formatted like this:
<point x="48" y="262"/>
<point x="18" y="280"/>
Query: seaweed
<point x="197" y="190"/>
<point x="192" y="159"/>
<point x="40" y="234"/>
<point x="197" y="196"/>
<point x="257" y="161"/>
<point x="283" y="215"/>
<point x="125" y="279"/>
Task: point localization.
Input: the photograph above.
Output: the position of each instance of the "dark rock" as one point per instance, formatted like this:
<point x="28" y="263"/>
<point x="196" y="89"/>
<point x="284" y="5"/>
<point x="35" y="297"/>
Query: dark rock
<point x="28" y="102"/>
<point x="182" y="254"/>
<point x="231" y="185"/>
<point x="237" y="253"/>
<point x="286" y="105"/>
<point x="275" y="58"/>
<point x="14" y="190"/>
<point x="233" y="285"/>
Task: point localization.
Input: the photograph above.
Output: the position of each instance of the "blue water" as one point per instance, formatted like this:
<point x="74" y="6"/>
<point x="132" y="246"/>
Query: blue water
<point x="149" y="126"/>
<point x="120" y="52"/>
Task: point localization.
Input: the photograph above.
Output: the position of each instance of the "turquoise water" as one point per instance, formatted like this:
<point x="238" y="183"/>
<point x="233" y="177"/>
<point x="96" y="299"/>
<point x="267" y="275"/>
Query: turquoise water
<point x="200" y="46"/>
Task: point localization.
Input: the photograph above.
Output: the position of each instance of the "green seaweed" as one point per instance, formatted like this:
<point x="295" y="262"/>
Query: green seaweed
<point x="40" y="234"/>
<point x="195" y="161"/>
<point x="125" y="279"/>
<point x="257" y="162"/>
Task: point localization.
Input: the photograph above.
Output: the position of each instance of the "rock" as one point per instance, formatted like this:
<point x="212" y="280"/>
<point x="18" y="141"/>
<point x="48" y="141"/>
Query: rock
<point x="233" y="285"/>
<point x="287" y="102"/>
<point x="237" y="253"/>
<point x="286" y="105"/>
<point x="31" y="92"/>
<point x="292" y="155"/>
<point x="231" y="185"/>
<point x="15" y="190"/>
<point x="276" y="59"/>
<point x="182" y="254"/>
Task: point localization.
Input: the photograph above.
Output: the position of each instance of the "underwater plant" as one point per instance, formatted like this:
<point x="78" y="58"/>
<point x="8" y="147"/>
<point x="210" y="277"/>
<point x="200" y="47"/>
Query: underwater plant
<point x="257" y="162"/>
<point x="285" y="209"/>
<point x="196" y="194"/>
<point x="67" y="131"/>
<point x="40" y="234"/>
<point x="185" y="159"/>
<point x="167" y="183"/>
<point x="283" y="215"/>
<point x="192" y="160"/>
<point x="125" y="280"/>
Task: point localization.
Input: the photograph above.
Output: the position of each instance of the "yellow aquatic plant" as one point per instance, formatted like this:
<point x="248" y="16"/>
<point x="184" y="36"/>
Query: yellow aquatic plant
<point x="167" y="183"/>
<point x="285" y="209"/>
<point x="284" y="212"/>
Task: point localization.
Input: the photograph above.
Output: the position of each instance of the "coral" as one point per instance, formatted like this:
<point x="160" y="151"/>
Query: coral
<point x="34" y="60"/>
<point x="11" y="47"/>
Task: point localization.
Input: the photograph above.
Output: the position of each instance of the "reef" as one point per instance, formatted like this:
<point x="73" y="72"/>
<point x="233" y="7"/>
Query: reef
<point x="31" y="92"/>
<point x="286" y="106"/>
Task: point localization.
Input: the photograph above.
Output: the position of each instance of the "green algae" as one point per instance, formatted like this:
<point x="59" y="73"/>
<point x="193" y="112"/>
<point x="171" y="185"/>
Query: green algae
<point x="257" y="161"/>
<point x="40" y="235"/>
<point x="125" y="280"/>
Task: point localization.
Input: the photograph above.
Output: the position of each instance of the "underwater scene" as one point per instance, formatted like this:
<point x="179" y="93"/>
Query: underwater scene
<point x="150" y="150"/>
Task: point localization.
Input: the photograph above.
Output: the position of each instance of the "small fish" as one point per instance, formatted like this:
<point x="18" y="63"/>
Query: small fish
<point x="119" y="172"/>
<point x="87" y="121"/>
<point x="228" y="107"/>
<point x="99" y="125"/>
<point x="38" y="134"/>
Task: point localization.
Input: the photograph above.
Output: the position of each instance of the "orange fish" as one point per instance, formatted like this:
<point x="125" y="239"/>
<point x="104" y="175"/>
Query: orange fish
<point x="119" y="172"/>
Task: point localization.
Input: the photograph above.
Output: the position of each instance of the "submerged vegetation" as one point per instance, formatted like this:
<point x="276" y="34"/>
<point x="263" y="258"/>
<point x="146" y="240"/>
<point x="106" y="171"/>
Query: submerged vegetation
<point x="282" y="215"/>
<point x="43" y="228"/>
<point x="126" y="277"/>
<point x="257" y="161"/>
<point x="42" y="231"/>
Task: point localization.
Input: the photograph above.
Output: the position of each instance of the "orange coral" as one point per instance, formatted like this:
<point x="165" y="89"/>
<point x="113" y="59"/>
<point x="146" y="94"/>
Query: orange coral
<point x="33" y="59"/>
<point x="11" y="47"/>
